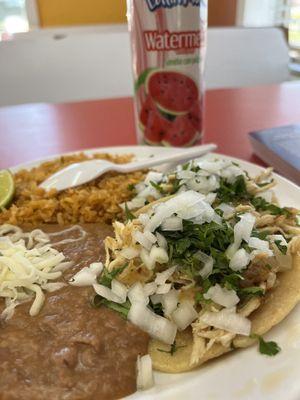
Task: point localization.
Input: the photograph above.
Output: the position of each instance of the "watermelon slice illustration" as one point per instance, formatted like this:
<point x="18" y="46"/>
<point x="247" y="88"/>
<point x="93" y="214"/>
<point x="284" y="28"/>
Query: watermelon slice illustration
<point x="181" y="133"/>
<point x="147" y="109"/>
<point x="152" y="123"/>
<point x="195" y="116"/>
<point x="173" y="92"/>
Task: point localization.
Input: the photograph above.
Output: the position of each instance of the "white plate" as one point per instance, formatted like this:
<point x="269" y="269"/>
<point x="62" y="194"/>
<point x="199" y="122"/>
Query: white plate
<point x="242" y="374"/>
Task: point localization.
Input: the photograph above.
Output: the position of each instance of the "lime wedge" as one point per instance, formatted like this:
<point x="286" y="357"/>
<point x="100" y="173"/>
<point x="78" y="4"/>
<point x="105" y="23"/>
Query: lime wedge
<point x="7" y="188"/>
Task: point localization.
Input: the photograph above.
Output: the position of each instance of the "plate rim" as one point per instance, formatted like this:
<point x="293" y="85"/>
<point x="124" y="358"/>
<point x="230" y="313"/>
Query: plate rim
<point x="38" y="161"/>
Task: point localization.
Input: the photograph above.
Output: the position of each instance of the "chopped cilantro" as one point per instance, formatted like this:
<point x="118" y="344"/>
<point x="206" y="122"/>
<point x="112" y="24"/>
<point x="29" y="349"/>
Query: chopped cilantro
<point x="268" y="348"/>
<point x="281" y="247"/>
<point x="252" y="290"/>
<point x="211" y="238"/>
<point x="231" y="281"/>
<point x="122" y="309"/>
<point x="236" y="191"/>
<point x="131" y="187"/>
<point x="260" y="234"/>
<point x="106" y="277"/>
<point x="128" y="214"/>
<point x="157" y="187"/>
<point x="176" y="185"/>
<point x="261" y="204"/>
<point x="173" y="349"/>
<point x="199" y="298"/>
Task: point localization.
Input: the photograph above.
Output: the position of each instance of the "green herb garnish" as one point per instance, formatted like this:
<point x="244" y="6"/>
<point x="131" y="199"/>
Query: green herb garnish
<point x="252" y="291"/>
<point x="122" y="309"/>
<point x="236" y="191"/>
<point x="268" y="348"/>
<point x="157" y="187"/>
<point x="128" y="214"/>
<point x="106" y="277"/>
<point x="211" y="238"/>
<point x="281" y="247"/>
<point x="261" y="204"/>
<point x="131" y="187"/>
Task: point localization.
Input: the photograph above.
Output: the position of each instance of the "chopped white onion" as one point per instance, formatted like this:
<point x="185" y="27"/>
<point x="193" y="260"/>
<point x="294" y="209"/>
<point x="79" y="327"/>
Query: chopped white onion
<point x="119" y="289"/>
<point x="169" y="302"/>
<point x="157" y="327"/>
<point x="162" y="277"/>
<point x="185" y="174"/>
<point x="213" y="166"/>
<point x="107" y="293"/>
<point x="129" y="253"/>
<point x="184" y="315"/>
<point x="240" y="260"/>
<point x="208" y="264"/>
<point x="204" y="184"/>
<point x="227" y="210"/>
<point x="243" y="229"/>
<point x="156" y="298"/>
<point x="228" y="320"/>
<point x="172" y="224"/>
<point x="136" y="202"/>
<point x="267" y="195"/>
<point x="153" y="176"/>
<point x="140" y="238"/>
<point x="137" y="294"/>
<point x="156" y="255"/>
<point x="149" y="236"/>
<point x="176" y="204"/>
<point x="144" y="219"/>
<point x="149" y="191"/>
<point x="258" y="244"/>
<point x="145" y="379"/>
<point x="87" y="276"/>
<point x="222" y="296"/>
<point x="161" y="241"/>
<point x="163" y="289"/>
<point x="210" y="198"/>
<point x="279" y="238"/>
<point x="150" y="288"/>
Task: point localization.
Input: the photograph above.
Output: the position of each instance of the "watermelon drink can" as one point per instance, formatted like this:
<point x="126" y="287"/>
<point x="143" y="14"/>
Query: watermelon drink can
<point x="168" y="39"/>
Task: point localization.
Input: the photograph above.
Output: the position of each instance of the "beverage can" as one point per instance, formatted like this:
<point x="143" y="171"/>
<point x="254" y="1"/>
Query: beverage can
<point x="168" y="39"/>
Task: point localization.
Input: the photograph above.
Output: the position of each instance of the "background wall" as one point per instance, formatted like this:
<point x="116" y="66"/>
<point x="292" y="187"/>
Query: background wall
<point x="222" y="12"/>
<point x="77" y="12"/>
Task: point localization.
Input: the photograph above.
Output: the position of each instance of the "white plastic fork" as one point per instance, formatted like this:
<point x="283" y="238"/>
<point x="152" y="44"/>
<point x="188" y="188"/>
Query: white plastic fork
<point x="79" y="173"/>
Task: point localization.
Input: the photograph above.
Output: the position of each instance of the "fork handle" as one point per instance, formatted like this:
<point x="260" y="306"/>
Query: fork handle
<point x="185" y="154"/>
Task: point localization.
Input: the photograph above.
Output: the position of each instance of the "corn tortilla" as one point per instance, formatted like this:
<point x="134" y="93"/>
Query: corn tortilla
<point x="278" y="303"/>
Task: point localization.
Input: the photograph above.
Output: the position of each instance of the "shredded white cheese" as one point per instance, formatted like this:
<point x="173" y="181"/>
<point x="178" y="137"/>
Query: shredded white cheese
<point x="27" y="264"/>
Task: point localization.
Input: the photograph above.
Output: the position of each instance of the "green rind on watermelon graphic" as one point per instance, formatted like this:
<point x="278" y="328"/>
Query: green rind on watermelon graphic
<point x="174" y="93"/>
<point x="182" y="133"/>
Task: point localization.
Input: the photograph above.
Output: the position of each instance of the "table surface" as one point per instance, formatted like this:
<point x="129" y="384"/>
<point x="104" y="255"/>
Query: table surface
<point x="34" y="131"/>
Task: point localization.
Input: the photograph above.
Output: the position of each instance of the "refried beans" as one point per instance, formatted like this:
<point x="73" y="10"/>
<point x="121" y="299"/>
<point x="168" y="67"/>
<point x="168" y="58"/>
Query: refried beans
<point x="70" y="351"/>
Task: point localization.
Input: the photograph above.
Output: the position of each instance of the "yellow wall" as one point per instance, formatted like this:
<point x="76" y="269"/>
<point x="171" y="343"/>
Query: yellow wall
<point x="81" y="12"/>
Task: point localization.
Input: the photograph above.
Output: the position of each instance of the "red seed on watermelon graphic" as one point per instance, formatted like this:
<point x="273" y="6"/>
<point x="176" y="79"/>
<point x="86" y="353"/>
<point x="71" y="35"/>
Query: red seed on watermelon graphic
<point x="171" y="113"/>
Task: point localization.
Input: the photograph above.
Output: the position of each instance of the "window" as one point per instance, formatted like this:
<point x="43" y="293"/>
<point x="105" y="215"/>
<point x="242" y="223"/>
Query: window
<point x="293" y="23"/>
<point x="12" y="17"/>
